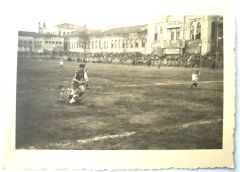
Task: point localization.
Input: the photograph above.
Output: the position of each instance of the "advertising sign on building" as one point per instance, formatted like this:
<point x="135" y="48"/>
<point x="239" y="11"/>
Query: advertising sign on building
<point x="173" y="51"/>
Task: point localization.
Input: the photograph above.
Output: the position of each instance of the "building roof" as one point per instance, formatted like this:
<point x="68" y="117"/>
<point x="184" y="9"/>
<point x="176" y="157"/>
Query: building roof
<point x="81" y="32"/>
<point x="123" y="30"/>
<point x="28" y="34"/>
<point x="68" y="26"/>
<point x="35" y="34"/>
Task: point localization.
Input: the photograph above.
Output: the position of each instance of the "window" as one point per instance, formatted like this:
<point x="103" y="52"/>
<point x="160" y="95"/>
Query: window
<point x="99" y="44"/>
<point x="136" y="43"/>
<point x="155" y="37"/>
<point x="88" y="44"/>
<point x="53" y="42"/>
<point x="192" y="30"/>
<point x="46" y="42"/>
<point x="127" y="44"/>
<point x="96" y="44"/>
<point x="112" y="44"/>
<point x="123" y="45"/>
<point x="60" y="42"/>
<point x="131" y="42"/>
<point x="143" y="43"/>
<point x="105" y="44"/>
<point x="177" y="33"/>
<point x="20" y="43"/>
<point x="220" y="30"/>
<point x="172" y="35"/>
<point x="198" y="32"/>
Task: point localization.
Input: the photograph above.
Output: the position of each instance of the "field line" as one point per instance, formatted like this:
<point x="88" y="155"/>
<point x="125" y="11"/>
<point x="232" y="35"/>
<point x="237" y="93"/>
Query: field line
<point x="66" y="143"/>
<point x="162" y="84"/>
<point x="190" y="124"/>
<point x="100" y="138"/>
<point x="85" y="141"/>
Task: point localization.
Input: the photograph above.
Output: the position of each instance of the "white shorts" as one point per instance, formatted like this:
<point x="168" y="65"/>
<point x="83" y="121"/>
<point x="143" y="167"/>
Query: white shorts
<point x="194" y="77"/>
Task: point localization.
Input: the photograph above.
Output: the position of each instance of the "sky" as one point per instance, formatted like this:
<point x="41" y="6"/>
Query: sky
<point x="94" y="13"/>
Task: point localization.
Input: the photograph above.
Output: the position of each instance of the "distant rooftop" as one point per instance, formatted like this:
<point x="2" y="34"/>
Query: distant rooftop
<point x="26" y="33"/>
<point x="34" y="34"/>
<point x="79" y="31"/>
<point x="124" y="30"/>
<point x="69" y="26"/>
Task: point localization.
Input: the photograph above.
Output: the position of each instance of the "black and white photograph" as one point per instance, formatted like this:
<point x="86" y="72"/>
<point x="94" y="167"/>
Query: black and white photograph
<point x="117" y="78"/>
<point x="158" y="85"/>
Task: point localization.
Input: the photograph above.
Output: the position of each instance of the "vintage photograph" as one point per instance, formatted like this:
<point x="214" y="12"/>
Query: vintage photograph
<point x="155" y="85"/>
<point x="118" y="85"/>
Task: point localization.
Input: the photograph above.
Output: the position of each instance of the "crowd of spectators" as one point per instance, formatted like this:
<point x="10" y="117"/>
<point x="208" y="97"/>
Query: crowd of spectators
<point x="210" y="60"/>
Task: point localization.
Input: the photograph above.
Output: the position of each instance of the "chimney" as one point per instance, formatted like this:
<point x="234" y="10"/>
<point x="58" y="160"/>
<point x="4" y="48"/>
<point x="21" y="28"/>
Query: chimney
<point x="39" y="27"/>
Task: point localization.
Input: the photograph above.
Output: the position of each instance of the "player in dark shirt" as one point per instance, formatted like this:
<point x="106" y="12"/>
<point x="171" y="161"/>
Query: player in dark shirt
<point x="79" y="83"/>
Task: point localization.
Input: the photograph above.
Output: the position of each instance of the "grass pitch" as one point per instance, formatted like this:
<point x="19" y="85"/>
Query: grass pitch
<point x="126" y="107"/>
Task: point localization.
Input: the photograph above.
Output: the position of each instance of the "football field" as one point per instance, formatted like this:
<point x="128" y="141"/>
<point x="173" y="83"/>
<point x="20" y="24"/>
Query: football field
<point x="126" y="107"/>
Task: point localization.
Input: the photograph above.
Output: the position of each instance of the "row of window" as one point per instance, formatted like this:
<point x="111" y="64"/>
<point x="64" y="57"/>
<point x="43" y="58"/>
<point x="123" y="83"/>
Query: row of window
<point x="175" y="33"/>
<point x="75" y="45"/>
<point x="195" y="32"/>
<point x="20" y="42"/>
<point x="25" y="46"/>
<point x="59" y="33"/>
<point x="118" y="44"/>
<point x="53" y="42"/>
<point x="38" y="42"/>
<point x="105" y="44"/>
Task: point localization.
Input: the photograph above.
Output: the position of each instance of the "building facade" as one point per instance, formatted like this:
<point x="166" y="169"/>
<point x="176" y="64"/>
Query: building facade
<point x="169" y="35"/>
<point x="185" y="35"/>
<point x="38" y="43"/>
